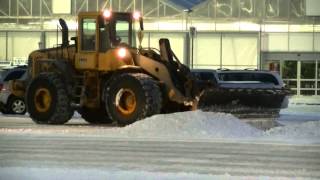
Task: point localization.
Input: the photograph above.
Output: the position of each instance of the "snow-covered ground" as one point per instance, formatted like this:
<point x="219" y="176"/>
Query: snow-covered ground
<point x="294" y="127"/>
<point x="299" y="126"/>
<point x="300" y="122"/>
<point x="19" y="173"/>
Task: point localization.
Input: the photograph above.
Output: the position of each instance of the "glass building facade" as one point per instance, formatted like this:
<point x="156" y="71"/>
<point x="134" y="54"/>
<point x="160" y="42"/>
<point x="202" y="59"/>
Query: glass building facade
<point x="278" y="35"/>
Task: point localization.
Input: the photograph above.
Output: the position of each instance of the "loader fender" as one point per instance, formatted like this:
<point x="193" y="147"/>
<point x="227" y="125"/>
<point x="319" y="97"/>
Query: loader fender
<point x="62" y="67"/>
<point x="161" y="72"/>
<point x="124" y="69"/>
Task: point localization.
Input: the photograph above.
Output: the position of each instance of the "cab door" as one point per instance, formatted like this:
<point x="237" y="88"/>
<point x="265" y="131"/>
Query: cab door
<point x="87" y="55"/>
<point x="115" y="34"/>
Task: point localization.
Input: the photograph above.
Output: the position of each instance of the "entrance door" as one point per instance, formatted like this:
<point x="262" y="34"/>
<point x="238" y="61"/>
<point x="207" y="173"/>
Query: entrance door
<point x="302" y="77"/>
<point x="308" y="77"/>
<point x="300" y="71"/>
<point x="290" y="75"/>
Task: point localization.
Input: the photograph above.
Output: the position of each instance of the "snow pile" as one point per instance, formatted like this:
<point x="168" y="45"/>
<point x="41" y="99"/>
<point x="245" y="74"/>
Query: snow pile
<point x="183" y="125"/>
<point x="212" y="125"/>
<point x="196" y="124"/>
<point x="307" y="130"/>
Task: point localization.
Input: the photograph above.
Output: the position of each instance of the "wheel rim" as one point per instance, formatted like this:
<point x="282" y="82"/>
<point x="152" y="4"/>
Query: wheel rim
<point x="18" y="106"/>
<point x="126" y="101"/>
<point x="42" y="100"/>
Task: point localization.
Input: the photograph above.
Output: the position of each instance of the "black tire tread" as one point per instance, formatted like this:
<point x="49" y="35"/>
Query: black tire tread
<point x="151" y="90"/>
<point x="63" y="111"/>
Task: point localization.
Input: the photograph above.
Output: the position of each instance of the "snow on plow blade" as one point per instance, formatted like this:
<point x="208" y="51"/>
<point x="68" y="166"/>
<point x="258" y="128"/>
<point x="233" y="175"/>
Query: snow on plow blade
<point x="244" y="93"/>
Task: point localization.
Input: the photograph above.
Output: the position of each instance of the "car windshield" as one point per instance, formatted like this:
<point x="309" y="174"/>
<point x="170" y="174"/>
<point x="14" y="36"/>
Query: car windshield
<point x="2" y="74"/>
<point x="257" y="77"/>
<point x="204" y="75"/>
<point x="13" y="75"/>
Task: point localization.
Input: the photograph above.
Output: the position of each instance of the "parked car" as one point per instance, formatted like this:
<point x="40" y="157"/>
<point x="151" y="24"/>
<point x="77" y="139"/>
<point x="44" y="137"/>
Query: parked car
<point x="9" y="103"/>
<point x="205" y="78"/>
<point x="205" y="74"/>
<point x="250" y="78"/>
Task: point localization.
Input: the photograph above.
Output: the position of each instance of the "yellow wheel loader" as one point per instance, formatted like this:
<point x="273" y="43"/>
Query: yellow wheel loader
<point x="105" y="76"/>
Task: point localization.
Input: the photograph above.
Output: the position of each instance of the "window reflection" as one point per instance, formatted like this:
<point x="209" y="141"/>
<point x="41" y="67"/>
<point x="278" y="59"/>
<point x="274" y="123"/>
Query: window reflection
<point x="307" y="84"/>
<point x="88" y="35"/>
<point x="318" y="70"/>
<point x="291" y="83"/>
<point x="272" y="8"/>
<point x="307" y="92"/>
<point x="307" y="76"/>
<point x="305" y="81"/>
<point x="297" y="8"/>
<point x="274" y="66"/>
<point x="308" y="70"/>
<point x="122" y="29"/>
<point x="246" y="8"/>
<point x="289" y="70"/>
<point x="224" y="8"/>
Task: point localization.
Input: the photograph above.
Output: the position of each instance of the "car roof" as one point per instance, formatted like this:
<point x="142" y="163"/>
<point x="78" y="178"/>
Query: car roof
<point x="228" y="71"/>
<point x="6" y="72"/>
<point x="244" y="71"/>
<point x="203" y="70"/>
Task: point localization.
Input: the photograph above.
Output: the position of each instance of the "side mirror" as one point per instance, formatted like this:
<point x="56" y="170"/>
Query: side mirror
<point x="140" y="38"/>
<point x="141" y="23"/>
<point x="75" y="39"/>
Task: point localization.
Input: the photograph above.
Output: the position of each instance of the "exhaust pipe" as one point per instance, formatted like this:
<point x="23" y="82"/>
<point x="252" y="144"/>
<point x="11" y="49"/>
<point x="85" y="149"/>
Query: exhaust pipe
<point x="65" y="32"/>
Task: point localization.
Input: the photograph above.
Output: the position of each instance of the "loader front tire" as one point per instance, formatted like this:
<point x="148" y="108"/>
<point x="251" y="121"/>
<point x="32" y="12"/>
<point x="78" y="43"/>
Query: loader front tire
<point x="131" y="97"/>
<point x="95" y="116"/>
<point x="47" y="100"/>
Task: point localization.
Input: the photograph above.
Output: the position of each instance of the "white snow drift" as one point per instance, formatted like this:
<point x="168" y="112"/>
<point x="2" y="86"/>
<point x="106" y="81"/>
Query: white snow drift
<point x="196" y="124"/>
<point x="186" y="125"/>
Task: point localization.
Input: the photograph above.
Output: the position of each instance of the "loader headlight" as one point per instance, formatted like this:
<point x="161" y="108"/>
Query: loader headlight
<point x="136" y="15"/>
<point x="107" y="14"/>
<point x="122" y="52"/>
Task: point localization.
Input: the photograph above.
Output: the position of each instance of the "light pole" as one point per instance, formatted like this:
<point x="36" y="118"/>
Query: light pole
<point x="187" y="11"/>
<point x="192" y="33"/>
<point x="190" y="37"/>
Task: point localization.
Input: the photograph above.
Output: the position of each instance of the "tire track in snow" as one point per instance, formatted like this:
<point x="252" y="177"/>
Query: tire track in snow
<point x="198" y="157"/>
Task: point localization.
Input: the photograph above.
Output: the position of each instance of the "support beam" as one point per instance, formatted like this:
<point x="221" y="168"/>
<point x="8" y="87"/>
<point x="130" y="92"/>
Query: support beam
<point x="9" y="7"/>
<point x="47" y="7"/>
<point x="82" y="5"/>
<point x="2" y="12"/>
<point x="7" y="43"/>
<point x="31" y="7"/>
<point x="22" y="6"/>
<point x="130" y="5"/>
<point x="105" y="5"/>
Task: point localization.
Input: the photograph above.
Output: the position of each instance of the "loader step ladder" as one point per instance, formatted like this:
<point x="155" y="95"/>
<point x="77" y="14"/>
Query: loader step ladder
<point x="78" y="90"/>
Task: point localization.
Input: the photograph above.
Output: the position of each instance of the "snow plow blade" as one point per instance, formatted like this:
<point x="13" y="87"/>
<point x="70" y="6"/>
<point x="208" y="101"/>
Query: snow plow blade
<point x="245" y="102"/>
<point x="244" y="93"/>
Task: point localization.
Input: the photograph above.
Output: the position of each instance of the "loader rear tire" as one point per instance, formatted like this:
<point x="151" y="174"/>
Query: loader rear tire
<point x="95" y="116"/>
<point x="47" y="100"/>
<point x="131" y="97"/>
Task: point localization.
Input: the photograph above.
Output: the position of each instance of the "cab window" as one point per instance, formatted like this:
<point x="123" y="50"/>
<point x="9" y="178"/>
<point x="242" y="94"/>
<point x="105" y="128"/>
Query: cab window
<point x="88" y="35"/>
<point x="104" y="39"/>
<point x="122" y="30"/>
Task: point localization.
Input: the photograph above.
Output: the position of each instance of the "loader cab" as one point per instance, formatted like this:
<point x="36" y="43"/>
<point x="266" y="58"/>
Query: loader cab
<point x="101" y="33"/>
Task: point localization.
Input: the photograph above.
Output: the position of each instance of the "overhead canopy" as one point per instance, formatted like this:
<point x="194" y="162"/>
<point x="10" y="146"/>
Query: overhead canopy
<point x="187" y="4"/>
